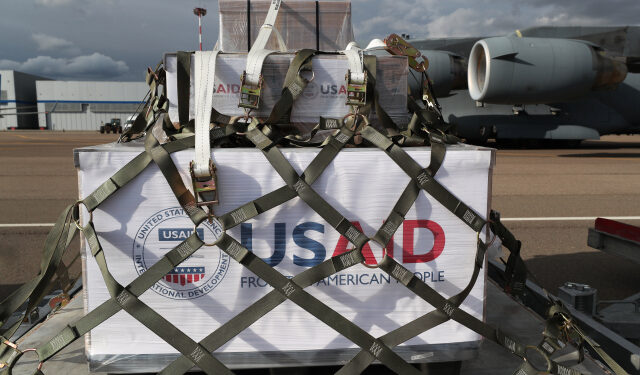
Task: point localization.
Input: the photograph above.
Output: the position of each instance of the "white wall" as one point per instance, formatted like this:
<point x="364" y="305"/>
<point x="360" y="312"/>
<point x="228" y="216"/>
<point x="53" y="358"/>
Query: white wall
<point x="60" y="96"/>
<point x="7" y="100"/>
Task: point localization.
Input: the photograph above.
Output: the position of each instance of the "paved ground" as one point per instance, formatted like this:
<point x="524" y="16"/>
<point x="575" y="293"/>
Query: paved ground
<point x="601" y="178"/>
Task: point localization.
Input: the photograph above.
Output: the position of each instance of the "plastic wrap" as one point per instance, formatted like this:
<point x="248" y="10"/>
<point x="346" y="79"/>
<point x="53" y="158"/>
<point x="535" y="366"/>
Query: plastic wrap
<point x="143" y="222"/>
<point x="324" y="96"/>
<point x="302" y="26"/>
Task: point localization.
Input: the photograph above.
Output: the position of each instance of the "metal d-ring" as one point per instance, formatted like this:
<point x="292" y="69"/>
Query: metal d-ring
<point x="313" y="75"/>
<point x="355" y="123"/>
<point x="377" y="265"/>
<point x="77" y="221"/>
<point x="195" y="230"/>
<point x="13" y="360"/>
<point x="543" y="354"/>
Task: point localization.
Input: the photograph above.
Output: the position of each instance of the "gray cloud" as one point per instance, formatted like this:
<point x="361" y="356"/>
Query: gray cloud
<point x="46" y="42"/>
<point x="137" y="34"/>
<point x="53" y="2"/>
<point x="9" y="64"/>
<point x="94" y="66"/>
<point x="429" y="19"/>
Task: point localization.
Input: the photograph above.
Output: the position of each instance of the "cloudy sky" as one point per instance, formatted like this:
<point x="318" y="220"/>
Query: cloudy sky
<point x="118" y="39"/>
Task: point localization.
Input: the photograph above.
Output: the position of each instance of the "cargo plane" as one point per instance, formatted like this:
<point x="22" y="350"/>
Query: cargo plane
<point x="542" y="83"/>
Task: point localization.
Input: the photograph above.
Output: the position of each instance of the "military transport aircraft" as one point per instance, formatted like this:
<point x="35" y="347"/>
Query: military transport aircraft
<point x="561" y="83"/>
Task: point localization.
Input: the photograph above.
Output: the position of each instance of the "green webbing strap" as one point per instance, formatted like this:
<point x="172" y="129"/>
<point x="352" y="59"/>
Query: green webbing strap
<point x="127" y="173"/>
<point x="146" y="315"/>
<point x="560" y="328"/>
<point x="108" y="308"/>
<point x="417" y="286"/>
<point x="408" y="197"/>
<point x="418" y="326"/>
<point x="306" y="192"/>
<point x="343" y="226"/>
<point x="424" y="180"/>
<point x="613" y="365"/>
<point x="293" y="86"/>
<point x="119" y="179"/>
<point x="103" y="309"/>
<point x="424" y="291"/>
<point x="315" y="274"/>
<point x="185" y="198"/>
<point x="370" y="65"/>
<point x="286" y="193"/>
<point x="306" y="278"/>
<point x="57" y="242"/>
<point x="408" y="279"/>
<point x="286" y="288"/>
<point x="515" y="270"/>
<point x="264" y="305"/>
<point x="183" y="83"/>
<point x="312" y="305"/>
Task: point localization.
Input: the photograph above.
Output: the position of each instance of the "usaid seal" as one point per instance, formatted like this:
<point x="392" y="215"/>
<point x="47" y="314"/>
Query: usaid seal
<point x="311" y="91"/>
<point x="200" y="273"/>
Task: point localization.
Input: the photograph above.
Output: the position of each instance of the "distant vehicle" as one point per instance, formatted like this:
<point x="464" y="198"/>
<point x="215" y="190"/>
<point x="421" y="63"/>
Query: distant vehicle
<point x="542" y="83"/>
<point x="112" y="126"/>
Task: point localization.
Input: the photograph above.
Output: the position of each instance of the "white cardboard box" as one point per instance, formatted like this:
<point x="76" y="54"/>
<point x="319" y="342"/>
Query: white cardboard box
<point x="296" y="23"/>
<point x="325" y="95"/>
<point x="143" y="220"/>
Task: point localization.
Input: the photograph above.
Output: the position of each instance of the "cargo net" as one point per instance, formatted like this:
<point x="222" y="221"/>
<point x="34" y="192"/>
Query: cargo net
<point x="162" y="138"/>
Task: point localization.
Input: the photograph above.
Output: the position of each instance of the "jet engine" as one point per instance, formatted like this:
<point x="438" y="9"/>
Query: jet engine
<point x="512" y="70"/>
<point x="447" y="71"/>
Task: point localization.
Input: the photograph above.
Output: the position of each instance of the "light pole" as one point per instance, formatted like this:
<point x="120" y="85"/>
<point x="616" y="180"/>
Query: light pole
<point x="199" y="12"/>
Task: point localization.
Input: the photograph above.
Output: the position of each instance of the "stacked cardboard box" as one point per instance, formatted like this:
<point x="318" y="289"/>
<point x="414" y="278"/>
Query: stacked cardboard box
<point x="143" y="221"/>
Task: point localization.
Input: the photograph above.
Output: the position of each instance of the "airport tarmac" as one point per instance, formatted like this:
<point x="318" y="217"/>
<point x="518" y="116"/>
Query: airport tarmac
<point x="547" y="197"/>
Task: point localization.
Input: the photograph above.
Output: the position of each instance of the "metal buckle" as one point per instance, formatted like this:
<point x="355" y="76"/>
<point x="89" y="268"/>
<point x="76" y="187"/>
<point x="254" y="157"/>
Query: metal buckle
<point x="76" y="220"/>
<point x="250" y="95"/>
<point x="395" y="45"/>
<point x="356" y="92"/>
<point x="13" y="359"/>
<point x="205" y="186"/>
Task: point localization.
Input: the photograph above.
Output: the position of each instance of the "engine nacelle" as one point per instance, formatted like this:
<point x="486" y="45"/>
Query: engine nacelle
<point x="512" y="70"/>
<point x="446" y="71"/>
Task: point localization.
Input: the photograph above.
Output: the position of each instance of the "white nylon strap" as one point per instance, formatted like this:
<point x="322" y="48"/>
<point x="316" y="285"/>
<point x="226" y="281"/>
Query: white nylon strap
<point x="354" y="56"/>
<point x="258" y="53"/>
<point x="205" y="72"/>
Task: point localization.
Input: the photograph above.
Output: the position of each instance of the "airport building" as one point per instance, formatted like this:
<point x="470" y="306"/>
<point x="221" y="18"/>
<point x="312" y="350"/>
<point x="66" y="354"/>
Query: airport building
<point x="83" y="105"/>
<point x="33" y="102"/>
<point x="18" y="106"/>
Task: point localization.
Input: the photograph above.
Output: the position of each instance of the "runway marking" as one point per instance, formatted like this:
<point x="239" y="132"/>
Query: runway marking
<point x="26" y="137"/>
<point x="556" y="218"/>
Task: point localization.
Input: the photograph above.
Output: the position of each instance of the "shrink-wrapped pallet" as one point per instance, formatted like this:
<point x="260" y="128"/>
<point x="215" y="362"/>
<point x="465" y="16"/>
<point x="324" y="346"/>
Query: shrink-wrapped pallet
<point x="325" y="95"/>
<point x="322" y="25"/>
<point x="143" y="220"/>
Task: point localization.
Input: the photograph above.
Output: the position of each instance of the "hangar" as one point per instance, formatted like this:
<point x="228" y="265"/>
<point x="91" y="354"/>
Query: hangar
<point x="30" y="102"/>
<point x="18" y="106"/>
<point x="84" y="105"/>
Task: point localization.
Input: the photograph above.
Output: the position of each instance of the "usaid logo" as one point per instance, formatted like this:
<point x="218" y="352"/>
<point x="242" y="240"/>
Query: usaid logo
<point x="200" y="273"/>
<point x="177" y="234"/>
<point x="303" y="234"/>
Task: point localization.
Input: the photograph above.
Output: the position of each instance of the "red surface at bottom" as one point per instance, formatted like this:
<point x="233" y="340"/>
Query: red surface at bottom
<point x="619" y="229"/>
